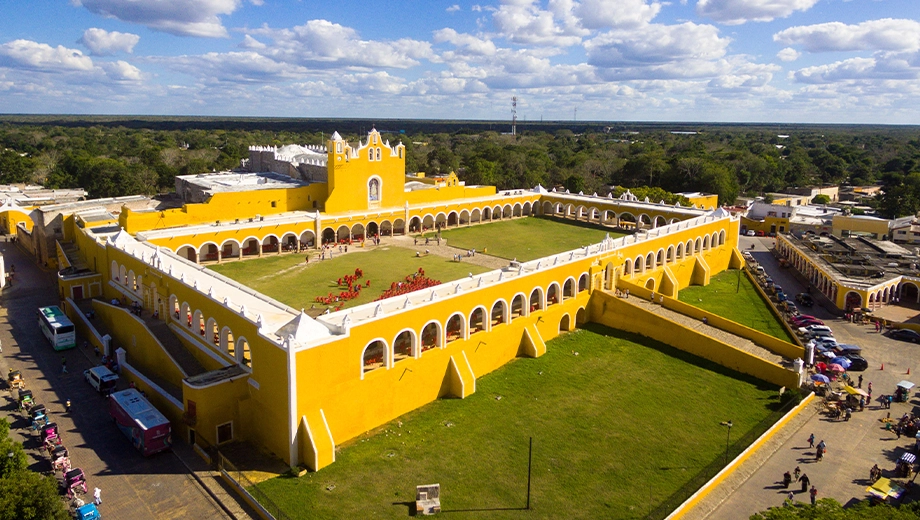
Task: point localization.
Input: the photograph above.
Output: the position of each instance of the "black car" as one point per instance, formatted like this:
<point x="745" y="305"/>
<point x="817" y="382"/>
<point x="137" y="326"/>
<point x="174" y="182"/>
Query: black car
<point x="857" y="362"/>
<point x="905" y="335"/>
<point x="804" y="299"/>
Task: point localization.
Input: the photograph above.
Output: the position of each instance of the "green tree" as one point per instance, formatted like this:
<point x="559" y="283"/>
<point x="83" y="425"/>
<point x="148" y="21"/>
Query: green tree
<point x="12" y="457"/>
<point x="830" y="509"/>
<point x="26" y="495"/>
<point x="821" y="199"/>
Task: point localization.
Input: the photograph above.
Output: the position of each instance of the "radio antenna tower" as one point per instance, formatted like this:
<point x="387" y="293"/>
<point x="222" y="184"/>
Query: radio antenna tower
<point x="514" y="115"/>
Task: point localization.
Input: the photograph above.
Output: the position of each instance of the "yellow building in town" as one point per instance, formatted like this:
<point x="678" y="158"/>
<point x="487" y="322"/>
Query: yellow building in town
<point x="227" y="363"/>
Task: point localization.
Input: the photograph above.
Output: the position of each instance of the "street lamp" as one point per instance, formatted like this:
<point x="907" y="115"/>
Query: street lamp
<point x="727" y="438"/>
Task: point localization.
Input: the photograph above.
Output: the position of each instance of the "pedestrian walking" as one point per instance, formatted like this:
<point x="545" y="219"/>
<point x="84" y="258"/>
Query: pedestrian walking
<point x="814" y="495"/>
<point x="811" y="441"/>
<point x="797" y="473"/>
<point x="97" y="496"/>
<point x="67" y="406"/>
<point x="63" y="365"/>
<point x="787" y="479"/>
<point x="805" y="481"/>
<point x="859" y="384"/>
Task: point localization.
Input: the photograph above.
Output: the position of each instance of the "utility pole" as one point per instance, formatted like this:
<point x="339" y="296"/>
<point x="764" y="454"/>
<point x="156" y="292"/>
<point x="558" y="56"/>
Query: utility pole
<point x="514" y="115"/>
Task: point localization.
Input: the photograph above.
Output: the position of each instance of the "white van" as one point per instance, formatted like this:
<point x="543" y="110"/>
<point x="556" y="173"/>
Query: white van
<point x="816" y="331"/>
<point x="102" y="379"/>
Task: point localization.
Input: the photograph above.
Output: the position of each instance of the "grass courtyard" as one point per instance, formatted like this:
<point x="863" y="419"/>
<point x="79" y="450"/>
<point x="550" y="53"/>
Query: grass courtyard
<point x="738" y="302"/>
<point x="527" y="238"/>
<point x="617" y="429"/>
<point x="289" y="280"/>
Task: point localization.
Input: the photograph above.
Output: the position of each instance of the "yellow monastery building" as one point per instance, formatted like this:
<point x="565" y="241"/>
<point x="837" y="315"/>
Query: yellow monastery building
<point x="227" y="363"/>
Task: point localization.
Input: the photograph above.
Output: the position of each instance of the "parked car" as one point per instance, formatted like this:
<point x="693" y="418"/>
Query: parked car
<point x="816" y="331"/>
<point x="781" y="296"/>
<point x="905" y="335"/>
<point x="857" y="362"/>
<point x="759" y="233"/>
<point x="777" y="288"/>
<point x="751" y="233"/>
<point x="806" y="323"/>
<point x="804" y="299"/>
<point x="848" y="348"/>
<point x="789" y="307"/>
<point x="802" y="317"/>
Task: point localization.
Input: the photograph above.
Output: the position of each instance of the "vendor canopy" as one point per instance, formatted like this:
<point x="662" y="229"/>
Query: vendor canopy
<point x="855" y="391"/>
<point x="906" y="385"/>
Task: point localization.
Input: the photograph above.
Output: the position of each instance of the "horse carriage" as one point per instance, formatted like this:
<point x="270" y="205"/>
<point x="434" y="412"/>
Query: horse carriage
<point x="74" y="482"/>
<point x="39" y="416"/>
<point x="905" y="465"/>
<point x="50" y="437"/>
<point x="60" y="459"/>
<point x="15" y="380"/>
<point x="25" y="400"/>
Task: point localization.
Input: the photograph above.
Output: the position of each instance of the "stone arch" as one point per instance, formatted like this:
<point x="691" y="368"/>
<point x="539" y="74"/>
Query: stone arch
<point x="289" y="241"/>
<point x="372" y="230"/>
<point x="722" y="237"/>
<point x="307" y="239"/>
<point x="328" y="236"/>
<point x="113" y="272"/>
<point x="581" y="316"/>
<point x="660" y="221"/>
<point x="507" y="211"/>
<point x="386" y="229"/>
<point x="487" y="214"/>
<point x="415" y="224"/>
<point x="477" y="320"/>
<point x="374" y="356"/>
<point x="357" y="231"/>
<point x="243" y="354"/>
<point x="580" y="212"/>
<point x="431" y="336"/>
<point x="548" y="208"/>
<point x="399" y="226"/>
<point x="270" y="244"/>
<point x="208" y="252"/>
<point x="714" y="241"/>
<point x="659" y="258"/>
<point x="212" y="332"/>
<point x="428" y="222"/>
<point x="188" y="252"/>
<point x="689" y="249"/>
<point x="131" y="281"/>
<point x="650" y="261"/>
<point x="527" y="208"/>
<point x="186" y="315"/>
<point x="644" y="220"/>
<point x="583" y="282"/>
<point x="553" y="294"/>
<point x="627" y="267"/>
<point x="594" y="215"/>
<point x="564" y="323"/>
<point x="226" y="340"/>
<point x="706" y="243"/>
<point x="568" y="288"/>
<point x="198" y="323"/>
<point x="343" y="233"/>
<point x="909" y="292"/>
<point x="698" y="245"/>
<point x="404" y="345"/>
<point x="852" y="301"/>
<point x="464" y="217"/>
<point x="517" y="210"/>
<point x="680" y="250"/>
<point x="497" y="213"/>
<point x="536" y="299"/>
<point x="639" y="265"/>
<point x="628" y="218"/>
<point x="650" y="284"/>
<point x="518" y="308"/>
<point x="670" y="255"/>
<point x="440" y="220"/>
<point x="498" y="314"/>
<point x="476" y="215"/>
<point x="173" y="308"/>
<point x="455" y="330"/>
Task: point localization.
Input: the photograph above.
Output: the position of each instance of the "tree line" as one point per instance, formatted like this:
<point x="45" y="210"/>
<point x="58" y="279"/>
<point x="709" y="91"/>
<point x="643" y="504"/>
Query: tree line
<point x="730" y="160"/>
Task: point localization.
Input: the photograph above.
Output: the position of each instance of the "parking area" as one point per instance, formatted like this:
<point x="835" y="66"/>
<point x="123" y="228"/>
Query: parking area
<point x="132" y="486"/>
<point x="854" y="446"/>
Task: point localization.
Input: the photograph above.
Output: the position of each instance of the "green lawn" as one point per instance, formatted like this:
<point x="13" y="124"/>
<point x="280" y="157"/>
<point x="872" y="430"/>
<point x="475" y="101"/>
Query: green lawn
<point x="527" y="238"/>
<point x="289" y="280"/>
<point x="617" y="429"/>
<point x="744" y="306"/>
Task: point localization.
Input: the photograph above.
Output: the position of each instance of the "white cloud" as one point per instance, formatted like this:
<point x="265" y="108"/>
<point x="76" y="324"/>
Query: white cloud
<point x="321" y="43"/>
<point x="788" y="54"/>
<point x="886" y="34"/>
<point x="864" y="69"/>
<point x="41" y="56"/>
<point x="251" y="43"/>
<point x="235" y="67"/>
<point x="105" y="43"/>
<point x="734" y="12"/>
<point x="180" y="17"/>
<point x="598" y="14"/>
<point x="656" y="44"/>
<point x="121" y="71"/>
<point x="465" y="43"/>
<point x="521" y="21"/>
<point x="453" y="9"/>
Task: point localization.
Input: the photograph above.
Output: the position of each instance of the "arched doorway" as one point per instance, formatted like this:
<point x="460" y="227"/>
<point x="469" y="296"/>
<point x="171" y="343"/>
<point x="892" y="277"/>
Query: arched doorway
<point x="564" y="323"/>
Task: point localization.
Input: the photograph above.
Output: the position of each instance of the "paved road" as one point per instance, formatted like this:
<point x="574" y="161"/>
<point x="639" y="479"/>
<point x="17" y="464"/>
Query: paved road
<point x="854" y="446"/>
<point x="159" y="487"/>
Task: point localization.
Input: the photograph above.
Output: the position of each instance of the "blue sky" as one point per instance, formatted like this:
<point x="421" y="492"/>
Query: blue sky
<point x="808" y="61"/>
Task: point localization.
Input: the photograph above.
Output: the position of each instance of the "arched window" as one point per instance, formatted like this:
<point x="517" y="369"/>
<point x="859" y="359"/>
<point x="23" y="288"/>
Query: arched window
<point x="517" y="306"/>
<point x="403" y="346"/>
<point x="583" y="283"/>
<point x="431" y="337"/>
<point x="536" y="300"/>
<point x="552" y="295"/>
<point x="498" y="313"/>
<point x="378" y="154"/>
<point x="374" y="356"/>
<point x="477" y="320"/>
<point x="370" y="154"/>
<point x="568" y="290"/>
<point x="454" y="328"/>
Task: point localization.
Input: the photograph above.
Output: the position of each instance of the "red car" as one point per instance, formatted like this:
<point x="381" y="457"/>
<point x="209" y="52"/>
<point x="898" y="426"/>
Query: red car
<point x="806" y="323"/>
<point x="798" y="320"/>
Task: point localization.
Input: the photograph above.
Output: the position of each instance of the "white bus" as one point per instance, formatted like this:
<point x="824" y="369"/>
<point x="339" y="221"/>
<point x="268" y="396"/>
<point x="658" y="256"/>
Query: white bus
<point x="57" y="327"/>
